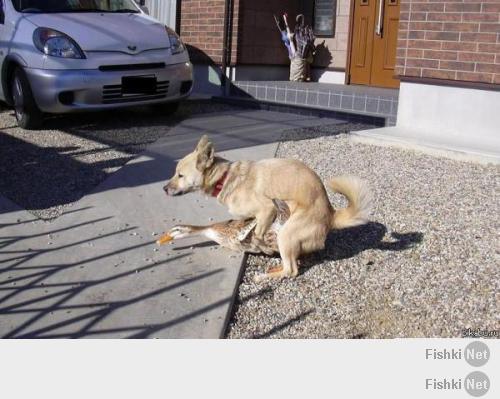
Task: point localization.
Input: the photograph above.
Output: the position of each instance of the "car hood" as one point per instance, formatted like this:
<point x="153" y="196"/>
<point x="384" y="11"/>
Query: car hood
<point x="128" y="33"/>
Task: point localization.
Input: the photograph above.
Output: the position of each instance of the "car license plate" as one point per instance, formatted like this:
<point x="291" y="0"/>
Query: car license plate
<point x="139" y="85"/>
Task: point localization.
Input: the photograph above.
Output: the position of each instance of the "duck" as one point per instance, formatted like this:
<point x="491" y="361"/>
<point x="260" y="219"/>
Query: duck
<point x="236" y="235"/>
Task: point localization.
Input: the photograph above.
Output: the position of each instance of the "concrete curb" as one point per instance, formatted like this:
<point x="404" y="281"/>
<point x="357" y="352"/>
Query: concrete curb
<point x="244" y="259"/>
<point x="396" y="137"/>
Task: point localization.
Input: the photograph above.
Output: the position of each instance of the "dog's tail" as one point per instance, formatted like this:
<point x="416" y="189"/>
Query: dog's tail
<point x="360" y="200"/>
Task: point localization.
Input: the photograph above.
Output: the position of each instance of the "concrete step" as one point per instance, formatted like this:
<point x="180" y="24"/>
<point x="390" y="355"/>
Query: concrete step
<point x="366" y="101"/>
<point x="459" y="148"/>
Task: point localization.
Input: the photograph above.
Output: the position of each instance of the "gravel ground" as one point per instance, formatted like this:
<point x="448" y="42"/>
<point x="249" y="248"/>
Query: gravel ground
<point x="426" y="266"/>
<point x="46" y="171"/>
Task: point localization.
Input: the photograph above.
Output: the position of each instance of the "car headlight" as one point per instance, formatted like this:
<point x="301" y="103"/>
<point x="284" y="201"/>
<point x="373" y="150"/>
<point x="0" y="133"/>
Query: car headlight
<point x="56" y="44"/>
<point x="176" y="44"/>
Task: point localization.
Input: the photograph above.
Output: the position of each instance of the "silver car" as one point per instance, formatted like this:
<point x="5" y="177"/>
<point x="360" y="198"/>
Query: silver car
<point x="62" y="56"/>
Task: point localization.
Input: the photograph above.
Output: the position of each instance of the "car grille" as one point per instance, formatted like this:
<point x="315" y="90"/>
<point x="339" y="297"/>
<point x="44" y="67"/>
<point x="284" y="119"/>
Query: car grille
<point x="112" y="94"/>
<point x="132" y="67"/>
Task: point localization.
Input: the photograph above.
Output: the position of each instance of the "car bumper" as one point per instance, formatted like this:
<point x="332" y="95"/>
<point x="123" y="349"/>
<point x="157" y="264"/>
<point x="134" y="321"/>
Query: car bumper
<point x="60" y="91"/>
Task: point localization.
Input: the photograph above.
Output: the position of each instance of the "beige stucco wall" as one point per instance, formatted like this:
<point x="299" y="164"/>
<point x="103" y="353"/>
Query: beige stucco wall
<point x="332" y="52"/>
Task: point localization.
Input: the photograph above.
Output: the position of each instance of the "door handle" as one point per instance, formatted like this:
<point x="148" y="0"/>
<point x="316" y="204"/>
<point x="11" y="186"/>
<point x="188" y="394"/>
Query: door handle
<point x="380" y="19"/>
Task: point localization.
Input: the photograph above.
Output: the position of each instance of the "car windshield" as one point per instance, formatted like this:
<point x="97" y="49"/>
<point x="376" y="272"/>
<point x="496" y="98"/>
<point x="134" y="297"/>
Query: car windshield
<point x="55" y="6"/>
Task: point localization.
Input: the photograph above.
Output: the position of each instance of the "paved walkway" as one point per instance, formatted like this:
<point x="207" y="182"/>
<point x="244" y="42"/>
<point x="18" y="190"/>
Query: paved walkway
<point x="96" y="272"/>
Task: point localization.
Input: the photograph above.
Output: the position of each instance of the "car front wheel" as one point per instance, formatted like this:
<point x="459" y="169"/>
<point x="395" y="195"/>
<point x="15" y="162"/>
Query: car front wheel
<point x="28" y="114"/>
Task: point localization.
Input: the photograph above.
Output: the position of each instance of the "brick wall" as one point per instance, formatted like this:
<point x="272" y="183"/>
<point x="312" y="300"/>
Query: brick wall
<point x="202" y="28"/>
<point x="454" y="40"/>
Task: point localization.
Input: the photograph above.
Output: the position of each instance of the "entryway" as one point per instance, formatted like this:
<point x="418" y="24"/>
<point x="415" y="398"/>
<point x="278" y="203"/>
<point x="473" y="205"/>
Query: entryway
<point x="374" y="42"/>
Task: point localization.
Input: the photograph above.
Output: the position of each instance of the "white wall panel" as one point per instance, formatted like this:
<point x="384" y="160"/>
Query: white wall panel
<point x="163" y="10"/>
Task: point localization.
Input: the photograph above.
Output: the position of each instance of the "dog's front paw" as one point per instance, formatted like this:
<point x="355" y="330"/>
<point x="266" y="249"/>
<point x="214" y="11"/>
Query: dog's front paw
<point x="273" y="273"/>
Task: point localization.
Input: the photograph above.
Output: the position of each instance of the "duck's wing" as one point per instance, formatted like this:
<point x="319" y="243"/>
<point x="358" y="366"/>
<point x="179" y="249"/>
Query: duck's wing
<point x="282" y="211"/>
<point x="245" y="231"/>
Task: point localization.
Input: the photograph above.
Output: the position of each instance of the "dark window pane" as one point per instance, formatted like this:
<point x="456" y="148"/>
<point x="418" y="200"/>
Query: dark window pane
<point x="324" y="17"/>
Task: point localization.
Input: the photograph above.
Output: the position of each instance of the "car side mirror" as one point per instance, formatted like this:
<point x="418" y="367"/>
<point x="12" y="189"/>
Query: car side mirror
<point x="145" y="9"/>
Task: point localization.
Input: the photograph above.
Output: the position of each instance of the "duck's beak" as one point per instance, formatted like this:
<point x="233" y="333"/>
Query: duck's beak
<point x="164" y="239"/>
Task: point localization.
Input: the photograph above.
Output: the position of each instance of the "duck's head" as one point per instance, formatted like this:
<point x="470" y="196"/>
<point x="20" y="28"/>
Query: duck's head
<point x="175" y="233"/>
<point x="180" y="231"/>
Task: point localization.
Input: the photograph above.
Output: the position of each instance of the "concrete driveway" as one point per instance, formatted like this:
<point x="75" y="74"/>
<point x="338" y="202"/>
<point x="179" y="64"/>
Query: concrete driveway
<point x="95" y="270"/>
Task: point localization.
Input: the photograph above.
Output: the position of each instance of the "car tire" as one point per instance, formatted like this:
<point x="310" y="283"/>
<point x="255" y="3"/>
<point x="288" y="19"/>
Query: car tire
<point x="165" y="109"/>
<point x="28" y="114"/>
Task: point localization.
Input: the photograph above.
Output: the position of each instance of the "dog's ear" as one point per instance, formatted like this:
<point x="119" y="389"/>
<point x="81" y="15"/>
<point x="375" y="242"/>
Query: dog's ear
<point x="205" y="153"/>
<point x="204" y="141"/>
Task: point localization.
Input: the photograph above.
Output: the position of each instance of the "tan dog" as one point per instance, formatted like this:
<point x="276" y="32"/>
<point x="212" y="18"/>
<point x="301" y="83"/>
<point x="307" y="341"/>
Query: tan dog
<point x="248" y="189"/>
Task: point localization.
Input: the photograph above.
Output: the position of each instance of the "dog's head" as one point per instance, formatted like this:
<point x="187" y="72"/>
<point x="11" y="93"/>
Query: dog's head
<point x="190" y="171"/>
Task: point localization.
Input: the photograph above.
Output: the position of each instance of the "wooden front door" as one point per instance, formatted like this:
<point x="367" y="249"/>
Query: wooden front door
<point x="374" y="42"/>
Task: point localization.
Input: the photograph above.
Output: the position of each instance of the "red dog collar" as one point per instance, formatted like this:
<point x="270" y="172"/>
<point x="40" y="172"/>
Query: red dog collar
<point x="219" y="185"/>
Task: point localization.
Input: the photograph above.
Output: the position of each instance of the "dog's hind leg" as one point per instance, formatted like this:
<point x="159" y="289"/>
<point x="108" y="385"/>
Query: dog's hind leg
<point x="299" y="235"/>
<point x="290" y="251"/>
<point x="264" y="218"/>
<point x="289" y="268"/>
<point x="289" y="247"/>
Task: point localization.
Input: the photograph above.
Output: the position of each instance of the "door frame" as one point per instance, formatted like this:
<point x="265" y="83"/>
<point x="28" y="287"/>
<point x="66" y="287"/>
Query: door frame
<point x="349" y="43"/>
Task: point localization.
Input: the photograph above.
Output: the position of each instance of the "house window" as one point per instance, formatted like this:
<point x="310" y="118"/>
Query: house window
<point x="324" y="17"/>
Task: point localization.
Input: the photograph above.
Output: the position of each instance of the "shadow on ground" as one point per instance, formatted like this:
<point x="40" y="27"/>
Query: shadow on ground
<point x="288" y="323"/>
<point x="347" y="243"/>
<point x="41" y="299"/>
<point x="340" y="244"/>
<point x="37" y="176"/>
